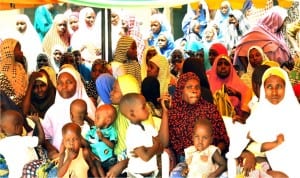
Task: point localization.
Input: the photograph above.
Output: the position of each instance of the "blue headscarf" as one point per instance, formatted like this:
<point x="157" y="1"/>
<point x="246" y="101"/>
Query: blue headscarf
<point x="104" y="85"/>
<point x="196" y="46"/>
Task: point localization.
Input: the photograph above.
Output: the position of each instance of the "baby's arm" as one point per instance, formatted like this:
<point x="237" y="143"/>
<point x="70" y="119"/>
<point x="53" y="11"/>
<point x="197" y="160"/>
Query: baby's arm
<point x="146" y="153"/>
<point x="41" y="135"/>
<point x="221" y="162"/>
<point x="270" y="145"/>
<point x="109" y="143"/>
<point x="63" y="166"/>
<point x="89" y="159"/>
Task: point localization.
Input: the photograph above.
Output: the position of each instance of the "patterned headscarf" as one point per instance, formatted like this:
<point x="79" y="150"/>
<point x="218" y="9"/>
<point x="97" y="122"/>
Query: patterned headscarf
<point x="123" y="45"/>
<point x="54" y="38"/>
<point x="13" y="70"/>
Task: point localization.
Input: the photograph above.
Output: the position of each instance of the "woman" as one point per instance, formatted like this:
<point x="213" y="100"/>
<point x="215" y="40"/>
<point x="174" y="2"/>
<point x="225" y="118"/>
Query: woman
<point x="224" y="76"/>
<point x="104" y="85"/>
<point x="40" y="93"/>
<point x="57" y="35"/>
<point x="186" y="108"/>
<point x="26" y="34"/>
<point x="268" y="35"/>
<point x="276" y="99"/>
<point x="69" y="88"/>
<point x="13" y="78"/>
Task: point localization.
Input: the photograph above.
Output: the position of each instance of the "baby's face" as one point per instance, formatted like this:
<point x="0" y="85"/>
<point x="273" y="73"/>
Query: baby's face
<point x="78" y="114"/>
<point x="71" y="141"/>
<point x="202" y="137"/>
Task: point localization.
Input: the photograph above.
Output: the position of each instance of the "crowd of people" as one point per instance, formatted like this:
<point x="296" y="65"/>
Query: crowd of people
<point x="215" y="100"/>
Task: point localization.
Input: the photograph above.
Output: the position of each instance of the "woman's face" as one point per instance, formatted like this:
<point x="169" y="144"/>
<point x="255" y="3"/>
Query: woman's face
<point x="62" y="27"/>
<point x="73" y="22"/>
<point x="152" y="70"/>
<point x="116" y="93"/>
<point x="155" y="27"/>
<point x="274" y="89"/>
<point x="66" y="85"/>
<point x="21" y="26"/>
<point x="90" y="19"/>
<point x="223" y="68"/>
<point x="115" y="19"/>
<point x="255" y="58"/>
<point x="162" y="41"/>
<point x="191" y="91"/>
<point x="40" y="89"/>
<point x="132" y="51"/>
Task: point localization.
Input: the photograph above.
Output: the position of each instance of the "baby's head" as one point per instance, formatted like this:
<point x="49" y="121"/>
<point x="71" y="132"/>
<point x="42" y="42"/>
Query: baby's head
<point x="11" y="123"/>
<point x="203" y="134"/>
<point x="134" y="107"/>
<point x="105" y="116"/>
<point x="78" y="111"/>
<point x="71" y="133"/>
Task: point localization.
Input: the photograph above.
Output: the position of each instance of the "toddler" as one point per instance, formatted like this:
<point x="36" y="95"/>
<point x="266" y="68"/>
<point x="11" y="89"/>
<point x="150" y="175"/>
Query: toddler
<point x="74" y="160"/>
<point x="103" y="136"/>
<point x="141" y="140"/>
<point x="78" y="112"/>
<point x="18" y="150"/>
<point x="203" y="159"/>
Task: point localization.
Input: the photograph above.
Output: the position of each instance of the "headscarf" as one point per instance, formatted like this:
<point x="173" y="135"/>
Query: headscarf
<point x="164" y="27"/>
<point x="54" y="38"/>
<point x="182" y="117"/>
<point x="14" y="71"/>
<point x="233" y="81"/>
<point x="196" y="46"/>
<point x="166" y="51"/>
<point x="42" y="20"/>
<point x="123" y="45"/>
<point x="144" y="61"/>
<point x="267" y="35"/>
<point x="42" y="105"/>
<point x="51" y="73"/>
<point x="28" y="39"/>
<point x="164" y="75"/>
<point x="59" y="113"/>
<point x="104" y="85"/>
<point x="266" y="128"/>
<point x="265" y="59"/>
<point x="219" y="47"/>
<point x="131" y="65"/>
<point x="87" y="39"/>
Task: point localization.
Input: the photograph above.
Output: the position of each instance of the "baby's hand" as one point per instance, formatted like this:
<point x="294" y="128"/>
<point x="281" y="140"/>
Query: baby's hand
<point x="71" y="154"/>
<point x="280" y="139"/>
<point x="34" y="117"/>
<point x="99" y="133"/>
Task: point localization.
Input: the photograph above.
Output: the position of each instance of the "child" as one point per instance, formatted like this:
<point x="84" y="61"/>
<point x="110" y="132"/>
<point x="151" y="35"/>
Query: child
<point x="74" y="160"/>
<point x="103" y="136"/>
<point x="141" y="141"/>
<point x="18" y="150"/>
<point x="203" y="159"/>
<point x="78" y="112"/>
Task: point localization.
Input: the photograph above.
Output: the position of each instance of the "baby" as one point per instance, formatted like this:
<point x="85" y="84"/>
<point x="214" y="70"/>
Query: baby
<point x="103" y="136"/>
<point x="78" y="112"/>
<point x="203" y="159"/>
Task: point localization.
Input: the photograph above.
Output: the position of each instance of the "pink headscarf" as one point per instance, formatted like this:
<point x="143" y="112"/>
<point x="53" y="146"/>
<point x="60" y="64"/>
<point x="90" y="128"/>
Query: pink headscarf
<point x="268" y="36"/>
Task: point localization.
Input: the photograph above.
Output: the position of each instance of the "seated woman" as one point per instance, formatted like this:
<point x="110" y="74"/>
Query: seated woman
<point x="224" y="79"/>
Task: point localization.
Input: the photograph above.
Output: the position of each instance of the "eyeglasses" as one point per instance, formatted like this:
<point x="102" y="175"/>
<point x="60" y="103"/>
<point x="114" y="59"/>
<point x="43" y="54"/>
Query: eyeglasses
<point x="161" y="40"/>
